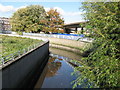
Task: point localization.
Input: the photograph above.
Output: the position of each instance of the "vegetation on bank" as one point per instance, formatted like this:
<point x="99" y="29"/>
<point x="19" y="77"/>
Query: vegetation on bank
<point x="101" y="68"/>
<point x="78" y="48"/>
<point x="10" y="44"/>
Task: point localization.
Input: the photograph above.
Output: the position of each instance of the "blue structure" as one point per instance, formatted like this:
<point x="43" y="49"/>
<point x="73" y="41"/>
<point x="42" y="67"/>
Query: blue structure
<point x="81" y="35"/>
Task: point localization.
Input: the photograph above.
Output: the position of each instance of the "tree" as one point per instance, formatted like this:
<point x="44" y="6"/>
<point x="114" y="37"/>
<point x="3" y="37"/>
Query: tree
<point x="101" y="67"/>
<point x="29" y="19"/>
<point x="82" y="27"/>
<point x="54" y="21"/>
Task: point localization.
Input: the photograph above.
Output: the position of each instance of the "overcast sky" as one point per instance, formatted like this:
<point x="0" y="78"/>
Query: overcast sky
<point x="69" y="10"/>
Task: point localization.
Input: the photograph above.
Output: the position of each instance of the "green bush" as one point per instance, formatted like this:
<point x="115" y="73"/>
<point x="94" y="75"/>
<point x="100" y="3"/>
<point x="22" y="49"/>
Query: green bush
<point x="12" y="44"/>
<point x="101" y="67"/>
<point x="20" y="33"/>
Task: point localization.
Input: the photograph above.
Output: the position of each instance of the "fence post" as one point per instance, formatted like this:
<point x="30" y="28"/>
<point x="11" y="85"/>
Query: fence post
<point x="24" y="51"/>
<point x="28" y="49"/>
<point x="2" y="61"/>
<point x="19" y="53"/>
<point x="12" y="57"/>
<point x="34" y="45"/>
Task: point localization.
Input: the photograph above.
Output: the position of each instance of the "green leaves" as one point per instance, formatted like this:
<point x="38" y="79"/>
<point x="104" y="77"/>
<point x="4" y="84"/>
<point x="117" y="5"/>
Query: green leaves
<point x="54" y="21"/>
<point x="28" y="19"/>
<point x="104" y="59"/>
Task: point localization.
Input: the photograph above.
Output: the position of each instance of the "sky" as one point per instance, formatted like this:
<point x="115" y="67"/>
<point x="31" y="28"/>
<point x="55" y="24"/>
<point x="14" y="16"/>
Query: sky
<point x="69" y="10"/>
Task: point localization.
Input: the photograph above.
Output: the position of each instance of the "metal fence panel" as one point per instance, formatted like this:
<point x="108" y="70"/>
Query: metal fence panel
<point x="70" y="37"/>
<point x="17" y="54"/>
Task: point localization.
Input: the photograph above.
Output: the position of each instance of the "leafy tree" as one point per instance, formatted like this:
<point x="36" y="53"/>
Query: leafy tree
<point x="82" y="27"/>
<point x="53" y="22"/>
<point x="29" y="19"/>
<point x="101" y="68"/>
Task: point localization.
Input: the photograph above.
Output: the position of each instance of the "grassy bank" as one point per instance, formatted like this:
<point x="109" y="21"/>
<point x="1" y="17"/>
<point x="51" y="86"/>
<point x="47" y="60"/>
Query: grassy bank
<point x="66" y="42"/>
<point x="10" y="44"/>
<point x="68" y="48"/>
<point x="78" y="46"/>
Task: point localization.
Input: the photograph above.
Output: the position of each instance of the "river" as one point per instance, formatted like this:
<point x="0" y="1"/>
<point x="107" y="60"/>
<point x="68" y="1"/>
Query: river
<point x="57" y="72"/>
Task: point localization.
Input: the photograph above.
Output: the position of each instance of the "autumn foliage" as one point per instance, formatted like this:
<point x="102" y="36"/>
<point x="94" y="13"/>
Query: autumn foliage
<point x="35" y="19"/>
<point x="54" y="22"/>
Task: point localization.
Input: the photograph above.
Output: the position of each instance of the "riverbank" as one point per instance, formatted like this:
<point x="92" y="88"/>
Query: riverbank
<point x="22" y="71"/>
<point x="67" y="48"/>
<point x="69" y="45"/>
<point x="57" y="72"/>
<point x="65" y="44"/>
<point x="11" y="44"/>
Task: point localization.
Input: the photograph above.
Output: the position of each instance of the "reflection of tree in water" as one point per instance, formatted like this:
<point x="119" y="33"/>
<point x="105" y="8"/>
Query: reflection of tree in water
<point x="54" y="65"/>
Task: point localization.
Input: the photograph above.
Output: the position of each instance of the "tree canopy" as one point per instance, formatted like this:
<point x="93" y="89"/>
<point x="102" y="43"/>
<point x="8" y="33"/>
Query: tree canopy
<point x="29" y="19"/>
<point x="54" y="21"/>
<point x="34" y="18"/>
<point x="101" y="67"/>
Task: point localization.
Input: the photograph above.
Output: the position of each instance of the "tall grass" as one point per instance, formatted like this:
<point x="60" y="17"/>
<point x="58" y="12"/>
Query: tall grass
<point x="10" y="44"/>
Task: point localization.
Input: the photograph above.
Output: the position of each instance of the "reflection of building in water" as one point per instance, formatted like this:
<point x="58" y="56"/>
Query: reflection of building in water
<point x="4" y="24"/>
<point x="54" y="65"/>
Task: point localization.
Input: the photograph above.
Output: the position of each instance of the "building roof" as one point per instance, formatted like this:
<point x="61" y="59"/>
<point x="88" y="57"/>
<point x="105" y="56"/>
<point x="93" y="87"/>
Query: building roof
<point x="72" y="25"/>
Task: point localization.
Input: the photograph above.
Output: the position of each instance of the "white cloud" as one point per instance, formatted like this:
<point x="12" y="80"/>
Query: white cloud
<point x="20" y="7"/>
<point x="9" y="8"/>
<point x="47" y="9"/>
<point x="41" y="0"/>
<point x="69" y="17"/>
<point x="6" y="8"/>
<point x="62" y="12"/>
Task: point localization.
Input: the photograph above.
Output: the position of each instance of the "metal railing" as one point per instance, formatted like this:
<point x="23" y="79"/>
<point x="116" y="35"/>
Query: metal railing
<point x="70" y="37"/>
<point x="13" y="56"/>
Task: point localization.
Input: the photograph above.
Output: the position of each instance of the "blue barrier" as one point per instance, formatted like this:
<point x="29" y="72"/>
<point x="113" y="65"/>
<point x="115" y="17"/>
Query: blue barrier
<point x="81" y="35"/>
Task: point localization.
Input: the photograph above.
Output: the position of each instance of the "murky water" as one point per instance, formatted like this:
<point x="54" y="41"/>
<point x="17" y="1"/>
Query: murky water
<point x="57" y="73"/>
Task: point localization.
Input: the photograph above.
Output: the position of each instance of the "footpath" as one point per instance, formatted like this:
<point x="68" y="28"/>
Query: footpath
<point x="70" y="45"/>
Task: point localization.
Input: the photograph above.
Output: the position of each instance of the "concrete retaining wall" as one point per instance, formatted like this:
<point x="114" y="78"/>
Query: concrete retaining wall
<point x="20" y="73"/>
<point x="71" y="43"/>
<point x="66" y="48"/>
<point x="66" y="42"/>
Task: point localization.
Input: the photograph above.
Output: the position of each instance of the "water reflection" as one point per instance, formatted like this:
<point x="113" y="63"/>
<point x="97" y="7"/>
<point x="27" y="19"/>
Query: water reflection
<point x="58" y="73"/>
<point x="71" y="55"/>
<point x="54" y="65"/>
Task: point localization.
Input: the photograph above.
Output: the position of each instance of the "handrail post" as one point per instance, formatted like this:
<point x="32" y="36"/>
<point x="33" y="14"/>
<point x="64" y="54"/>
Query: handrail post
<point x="2" y="61"/>
<point x="34" y="45"/>
<point x="24" y="51"/>
<point x="12" y="57"/>
<point x="28" y="48"/>
<point x="19" y="53"/>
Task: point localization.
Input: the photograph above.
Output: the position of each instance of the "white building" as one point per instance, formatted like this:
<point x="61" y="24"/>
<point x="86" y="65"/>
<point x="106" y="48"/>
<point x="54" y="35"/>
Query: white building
<point x="5" y="26"/>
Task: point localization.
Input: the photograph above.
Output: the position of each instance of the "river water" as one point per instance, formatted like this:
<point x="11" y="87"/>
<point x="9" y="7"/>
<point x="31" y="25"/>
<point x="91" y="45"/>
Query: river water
<point x="57" y="72"/>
